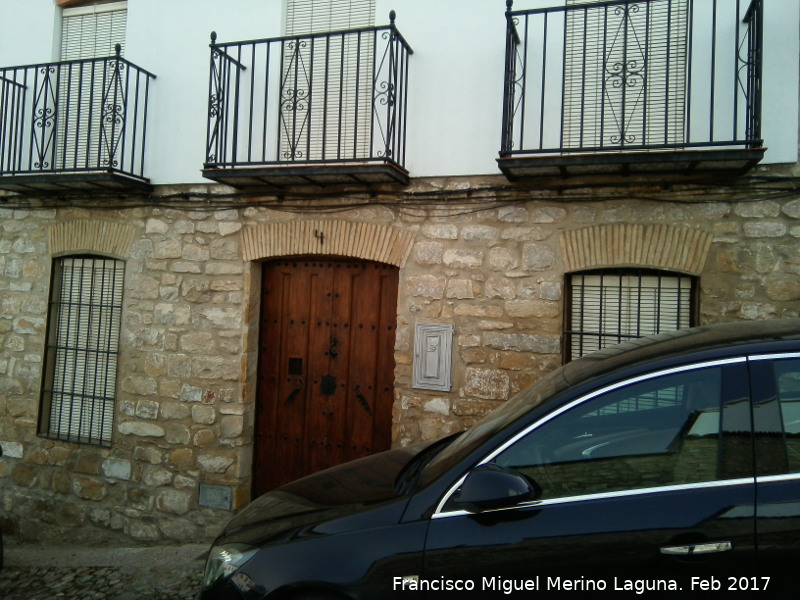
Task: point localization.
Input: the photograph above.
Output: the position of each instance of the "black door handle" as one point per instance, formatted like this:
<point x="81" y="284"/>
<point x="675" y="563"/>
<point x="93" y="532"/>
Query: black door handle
<point x="362" y="400"/>
<point x="694" y="549"/>
<point x="293" y="394"/>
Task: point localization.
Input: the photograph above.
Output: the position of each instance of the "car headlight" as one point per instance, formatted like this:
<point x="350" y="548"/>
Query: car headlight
<point x="223" y="561"/>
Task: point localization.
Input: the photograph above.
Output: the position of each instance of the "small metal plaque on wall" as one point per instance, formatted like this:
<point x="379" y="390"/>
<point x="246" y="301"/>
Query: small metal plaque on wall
<point x="216" y="496"/>
<point x="433" y="356"/>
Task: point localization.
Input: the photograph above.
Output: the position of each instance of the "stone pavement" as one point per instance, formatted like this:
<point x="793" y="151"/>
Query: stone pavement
<point x="80" y="573"/>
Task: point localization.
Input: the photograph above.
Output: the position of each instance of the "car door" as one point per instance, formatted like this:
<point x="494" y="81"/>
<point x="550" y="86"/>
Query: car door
<point x="645" y="478"/>
<point x="776" y="415"/>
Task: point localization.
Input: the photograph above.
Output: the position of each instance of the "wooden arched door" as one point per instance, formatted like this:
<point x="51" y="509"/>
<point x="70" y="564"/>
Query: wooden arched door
<point x="326" y="366"/>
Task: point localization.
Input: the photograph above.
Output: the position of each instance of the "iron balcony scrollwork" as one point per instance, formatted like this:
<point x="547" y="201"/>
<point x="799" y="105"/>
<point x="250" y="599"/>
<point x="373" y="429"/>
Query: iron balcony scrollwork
<point x="296" y="95"/>
<point x="632" y="75"/>
<point x="44" y="116"/>
<point x="749" y="73"/>
<point x="74" y="117"/>
<point x="224" y="70"/>
<point x="624" y="74"/>
<point x="112" y="121"/>
<point x="385" y="86"/>
<point x="334" y="97"/>
<point x="514" y="78"/>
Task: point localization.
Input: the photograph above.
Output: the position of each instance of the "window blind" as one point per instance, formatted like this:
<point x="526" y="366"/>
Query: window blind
<point x="93" y="31"/>
<point x="320" y="16"/>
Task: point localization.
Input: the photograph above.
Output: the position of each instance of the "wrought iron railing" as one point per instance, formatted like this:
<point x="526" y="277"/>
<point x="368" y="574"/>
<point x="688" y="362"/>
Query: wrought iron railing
<point x="326" y="98"/>
<point x="74" y="116"/>
<point x="633" y="75"/>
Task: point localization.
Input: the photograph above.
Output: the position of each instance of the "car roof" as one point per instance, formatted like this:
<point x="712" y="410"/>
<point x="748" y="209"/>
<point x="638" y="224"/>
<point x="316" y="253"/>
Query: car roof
<point x="727" y="338"/>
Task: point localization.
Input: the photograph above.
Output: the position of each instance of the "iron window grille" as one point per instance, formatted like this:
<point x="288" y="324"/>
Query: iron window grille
<point x="606" y="307"/>
<point x="82" y="350"/>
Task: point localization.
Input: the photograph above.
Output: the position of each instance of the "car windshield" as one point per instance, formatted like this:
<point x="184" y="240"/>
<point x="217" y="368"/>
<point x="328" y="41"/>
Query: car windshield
<point x="492" y="423"/>
<point x="407" y="478"/>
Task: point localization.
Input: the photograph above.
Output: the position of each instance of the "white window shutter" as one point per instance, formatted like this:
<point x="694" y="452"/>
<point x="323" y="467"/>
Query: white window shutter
<point x="321" y="16"/>
<point x="94" y="31"/>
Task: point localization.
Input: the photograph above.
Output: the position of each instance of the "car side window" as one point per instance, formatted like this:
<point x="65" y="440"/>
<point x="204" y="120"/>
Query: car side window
<point x="657" y="432"/>
<point x="787" y="379"/>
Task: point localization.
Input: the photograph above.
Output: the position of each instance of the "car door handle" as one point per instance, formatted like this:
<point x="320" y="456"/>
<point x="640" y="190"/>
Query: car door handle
<point x="692" y="549"/>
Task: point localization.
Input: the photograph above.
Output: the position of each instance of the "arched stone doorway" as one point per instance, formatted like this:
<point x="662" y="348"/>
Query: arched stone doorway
<point x="325" y="365"/>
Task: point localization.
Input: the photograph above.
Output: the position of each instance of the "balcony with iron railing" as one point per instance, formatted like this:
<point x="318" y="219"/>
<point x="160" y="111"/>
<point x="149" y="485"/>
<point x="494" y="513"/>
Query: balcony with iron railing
<point x="318" y="109"/>
<point x="73" y="125"/>
<point x="666" y="89"/>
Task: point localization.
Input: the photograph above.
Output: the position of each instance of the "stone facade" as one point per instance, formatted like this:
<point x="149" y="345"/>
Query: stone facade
<point x="488" y="257"/>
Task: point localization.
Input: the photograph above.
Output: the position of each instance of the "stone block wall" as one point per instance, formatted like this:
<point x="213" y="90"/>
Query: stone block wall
<point x="185" y="402"/>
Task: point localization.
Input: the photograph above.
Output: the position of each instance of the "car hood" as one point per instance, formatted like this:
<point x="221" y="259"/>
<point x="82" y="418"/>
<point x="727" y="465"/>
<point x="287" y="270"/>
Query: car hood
<point x="357" y="493"/>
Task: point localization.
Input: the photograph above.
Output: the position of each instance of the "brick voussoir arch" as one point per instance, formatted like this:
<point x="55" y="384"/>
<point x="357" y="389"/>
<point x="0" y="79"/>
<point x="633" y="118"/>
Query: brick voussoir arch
<point x="368" y="241"/>
<point x="666" y="247"/>
<point x="93" y="237"/>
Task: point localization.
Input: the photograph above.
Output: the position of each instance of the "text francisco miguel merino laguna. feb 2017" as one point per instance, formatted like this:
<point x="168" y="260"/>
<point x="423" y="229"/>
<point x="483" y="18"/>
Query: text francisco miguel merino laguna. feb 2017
<point x="581" y="584"/>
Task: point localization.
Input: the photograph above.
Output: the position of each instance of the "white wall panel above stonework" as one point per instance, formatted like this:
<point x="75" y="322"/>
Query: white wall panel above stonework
<point x="456" y="73"/>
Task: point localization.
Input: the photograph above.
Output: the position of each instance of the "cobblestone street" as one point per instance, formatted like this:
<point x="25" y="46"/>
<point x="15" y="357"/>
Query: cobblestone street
<point x="164" y="573"/>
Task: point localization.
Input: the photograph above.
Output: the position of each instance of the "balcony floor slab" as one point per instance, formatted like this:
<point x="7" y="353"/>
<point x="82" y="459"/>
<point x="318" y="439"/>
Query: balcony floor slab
<point x="60" y="183"/>
<point x="619" y="168"/>
<point x="281" y="177"/>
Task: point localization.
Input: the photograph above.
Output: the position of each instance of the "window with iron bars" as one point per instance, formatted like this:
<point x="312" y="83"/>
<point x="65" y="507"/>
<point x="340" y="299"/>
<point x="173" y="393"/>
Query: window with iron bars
<point x="605" y="307"/>
<point x="80" y="372"/>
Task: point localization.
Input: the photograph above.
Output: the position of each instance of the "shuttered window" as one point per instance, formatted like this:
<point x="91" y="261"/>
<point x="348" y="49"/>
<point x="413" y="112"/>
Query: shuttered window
<point x="321" y="16"/>
<point x="87" y="32"/>
<point x="327" y="84"/>
<point x="93" y="31"/>
<point x="608" y="307"/>
<point x="625" y="74"/>
<point x="82" y="353"/>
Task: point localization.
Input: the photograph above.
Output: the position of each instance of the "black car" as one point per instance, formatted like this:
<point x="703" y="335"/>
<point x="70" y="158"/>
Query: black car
<point x="665" y="464"/>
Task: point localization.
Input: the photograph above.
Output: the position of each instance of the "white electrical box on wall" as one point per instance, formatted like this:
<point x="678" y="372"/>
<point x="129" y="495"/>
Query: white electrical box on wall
<point x="433" y="356"/>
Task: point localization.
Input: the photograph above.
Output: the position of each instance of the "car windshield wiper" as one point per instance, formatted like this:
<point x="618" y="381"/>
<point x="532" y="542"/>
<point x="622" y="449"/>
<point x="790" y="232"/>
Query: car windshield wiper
<point x="407" y="478"/>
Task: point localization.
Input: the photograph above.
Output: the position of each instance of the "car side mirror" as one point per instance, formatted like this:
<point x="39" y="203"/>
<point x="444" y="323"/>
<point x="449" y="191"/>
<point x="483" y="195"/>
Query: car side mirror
<point x="490" y="486"/>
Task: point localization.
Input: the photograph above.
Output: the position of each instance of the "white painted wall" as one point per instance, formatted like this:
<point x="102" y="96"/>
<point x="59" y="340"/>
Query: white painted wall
<point x="781" y="75"/>
<point x="456" y="73"/>
<point x="30" y="32"/>
<point x="456" y="83"/>
<point x="171" y="38"/>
